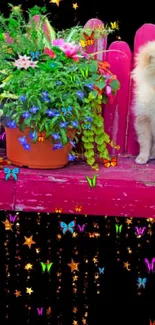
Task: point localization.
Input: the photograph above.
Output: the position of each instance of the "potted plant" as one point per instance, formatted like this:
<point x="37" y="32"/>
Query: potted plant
<point x="50" y="91"/>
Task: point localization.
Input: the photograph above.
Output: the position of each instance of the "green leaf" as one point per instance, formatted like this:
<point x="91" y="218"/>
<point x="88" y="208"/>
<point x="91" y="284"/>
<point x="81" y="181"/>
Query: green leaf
<point x="85" y="139"/>
<point x="93" y="67"/>
<point x="88" y="146"/>
<point x="104" y="99"/>
<point x="99" y="139"/>
<point x="88" y="154"/>
<point x="91" y="161"/>
<point x="100" y="84"/>
<point x="63" y="136"/>
<point x="114" y="84"/>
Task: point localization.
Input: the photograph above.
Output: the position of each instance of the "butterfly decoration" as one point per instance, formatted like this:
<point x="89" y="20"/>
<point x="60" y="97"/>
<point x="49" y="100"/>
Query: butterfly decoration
<point x="11" y="173"/>
<point x="141" y="282"/>
<point x="67" y="110"/>
<point x="118" y="228"/>
<point x="87" y="126"/>
<point x="110" y="163"/>
<point x="81" y="228"/>
<point x="150" y="265"/>
<point x="41" y="136"/>
<point x="70" y="227"/>
<point x="2" y="136"/>
<point x="40" y="311"/>
<point x="140" y="230"/>
<point x="46" y="266"/>
<point x="113" y="145"/>
<point x="114" y="25"/>
<point x="92" y="182"/>
<point x="35" y="55"/>
<point x="101" y="270"/>
<point x="89" y="40"/>
<point x="78" y="208"/>
<point x="58" y="210"/>
<point x="152" y="322"/>
<point x="93" y="234"/>
<point x="12" y="218"/>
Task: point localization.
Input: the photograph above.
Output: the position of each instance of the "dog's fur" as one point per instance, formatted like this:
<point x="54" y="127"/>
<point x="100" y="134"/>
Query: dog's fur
<point x="144" y="108"/>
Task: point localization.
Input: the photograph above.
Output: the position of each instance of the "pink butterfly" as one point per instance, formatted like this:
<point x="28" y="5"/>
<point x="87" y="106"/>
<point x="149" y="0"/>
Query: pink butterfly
<point x="12" y="218"/>
<point x="81" y="228"/>
<point x="150" y="266"/>
<point x="140" y="230"/>
<point x="2" y="136"/>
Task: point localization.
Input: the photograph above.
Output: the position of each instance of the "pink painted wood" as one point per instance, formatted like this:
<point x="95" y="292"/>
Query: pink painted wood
<point x="100" y="44"/>
<point x="115" y="115"/>
<point x="125" y="190"/>
<point x="143" y="35"/>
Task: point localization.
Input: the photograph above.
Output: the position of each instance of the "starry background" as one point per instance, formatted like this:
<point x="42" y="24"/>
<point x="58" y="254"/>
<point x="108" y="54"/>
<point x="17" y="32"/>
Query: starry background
<point x="64" y="16"/>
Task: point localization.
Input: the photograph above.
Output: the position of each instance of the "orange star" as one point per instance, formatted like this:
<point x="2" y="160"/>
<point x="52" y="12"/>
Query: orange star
<point x="8" y="225"/>
<point x="29" y="241"/>
<point x="17" y="293"/>
<point x="127" y="266"/>
<point x="28" y="266"/>
<point x="73" y="266"/>
<point x="48" y="311"/>
<point x="128" y="221"/>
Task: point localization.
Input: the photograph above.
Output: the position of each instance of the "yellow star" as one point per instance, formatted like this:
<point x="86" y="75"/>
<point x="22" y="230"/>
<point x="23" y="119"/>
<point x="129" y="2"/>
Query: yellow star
<point x="127" y="266"/>
<point x="28" y="266"/>
<point x="29" y="241"/>
<point x="75" y="5"/>
<point x="37" y="250"/>
<point x="29" y="290"/>
<point x="75" y="322"/>
<point x="74" y="234"/>
<point x="84" y="321"/>
<point x="73" y="266"/>
<point x="8" y="225"/>
<point x="17" y="293"/>
<point x="128" y="221"/>
<point x="57" y="2"/>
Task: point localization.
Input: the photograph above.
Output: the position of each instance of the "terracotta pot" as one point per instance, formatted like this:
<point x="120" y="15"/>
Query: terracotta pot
<point x="40" y="155"/>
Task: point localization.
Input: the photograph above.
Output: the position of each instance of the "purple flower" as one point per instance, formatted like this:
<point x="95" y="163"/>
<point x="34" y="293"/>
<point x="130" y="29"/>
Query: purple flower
<point x="89" y="118"/>
<point x="56" y="136"/>
<point x="12" y="124"/>
<point x="33" y="135"/>
<point x="26" y="114"/>
<point x="59" y="83"/>
<point x="45" y="94"/>
<point x="22" y="140"/>
<point x="57" y="146"/>
<point x="80" y="94"/>
<point x="75" y="124"/>
<point x="71" y="157"/>
<point x="45" y="97"/>
<point x="63" y="124"/>
<point x="52" y="112"/>
<point x="27" y="146"/>
<point x="90" y="86"/>
<point x="22" y="98"/>
<point x="72" y="142"/>
<point x="34" y="109"/>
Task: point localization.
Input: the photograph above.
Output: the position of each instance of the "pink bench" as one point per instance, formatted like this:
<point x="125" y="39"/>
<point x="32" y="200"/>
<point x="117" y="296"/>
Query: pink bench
<point x="125" y="190"/>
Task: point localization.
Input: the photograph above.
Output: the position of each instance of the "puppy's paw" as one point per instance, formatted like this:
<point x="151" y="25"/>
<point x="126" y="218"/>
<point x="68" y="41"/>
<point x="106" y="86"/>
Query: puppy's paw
<point x="141" y="159"/>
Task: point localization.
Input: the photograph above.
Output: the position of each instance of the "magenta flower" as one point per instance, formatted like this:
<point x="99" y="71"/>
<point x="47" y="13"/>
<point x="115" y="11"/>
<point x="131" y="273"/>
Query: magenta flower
<point x="70" y="49"/>
<point x="8" y="39"/>
<point x="58" y="42"/>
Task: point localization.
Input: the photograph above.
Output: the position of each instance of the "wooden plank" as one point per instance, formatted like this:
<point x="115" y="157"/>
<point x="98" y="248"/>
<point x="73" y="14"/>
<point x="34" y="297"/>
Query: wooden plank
<point x="115" y="115"/>
<point x="143" y="35"/>
<point x="125" y="190"/>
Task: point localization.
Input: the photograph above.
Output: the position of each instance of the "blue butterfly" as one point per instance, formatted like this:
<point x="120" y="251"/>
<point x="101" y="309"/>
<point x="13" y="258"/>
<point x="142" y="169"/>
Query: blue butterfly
<point x="11" y="173"/>
<point x="67" y="110"/>
<point x="141" y="282"/>
<point x="101" y="270"/>
<point x="35" y="55"/>
<point x="69" y="227"/>
<point x="87" y="126"/>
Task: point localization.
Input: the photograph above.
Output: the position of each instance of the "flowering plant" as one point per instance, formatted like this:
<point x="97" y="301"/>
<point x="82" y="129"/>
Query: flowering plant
<point x="50" y="85"/>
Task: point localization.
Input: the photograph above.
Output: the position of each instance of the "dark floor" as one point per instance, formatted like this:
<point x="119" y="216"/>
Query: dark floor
<point x="103" y="290"/>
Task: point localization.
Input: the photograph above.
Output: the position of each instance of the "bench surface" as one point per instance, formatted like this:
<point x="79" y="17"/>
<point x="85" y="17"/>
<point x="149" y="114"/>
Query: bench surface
<point x="125" y="190"/>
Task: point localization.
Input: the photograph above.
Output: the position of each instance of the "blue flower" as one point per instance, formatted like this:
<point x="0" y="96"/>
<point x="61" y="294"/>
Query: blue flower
<point x="80" y="94"/>
<point x="22" y="140"/>
<point x="52" y="112"/>
<point x="12" y="124"/>
<point x="34" y="109"/>
<point x="57" y="146"/>
<point x="27" y="146"/>
<point x="89" y="118"/>
<point x="33" y="135"/>
<point x="26" y="114"/>
<point x="71" y="157"/>
<point x="63" y="124"/>
<point x="45" y="94"/>
<point x="22" y="98"/>
<point x="56" y="136"/>
<point x="90" y="86"/>
<point x="45" y="97"/>
<point x="59" y="83"/>
<point x="75" y="124"/>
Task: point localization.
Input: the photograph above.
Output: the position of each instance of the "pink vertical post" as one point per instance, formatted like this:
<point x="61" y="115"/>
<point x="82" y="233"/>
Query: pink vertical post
<point x="115" y="115"/>
<point x="143" y="35"/>
<point x="100" y="44"/>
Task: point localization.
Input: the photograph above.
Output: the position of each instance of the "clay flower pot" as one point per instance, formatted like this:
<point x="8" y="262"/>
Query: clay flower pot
<point x="40" y="155"/>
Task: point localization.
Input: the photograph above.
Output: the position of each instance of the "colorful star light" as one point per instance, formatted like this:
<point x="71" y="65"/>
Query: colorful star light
<point x="29" y="241"/>
<point x="73" y="266"/>
<point x="57" y="2"/>
<point x="75" y="5"/>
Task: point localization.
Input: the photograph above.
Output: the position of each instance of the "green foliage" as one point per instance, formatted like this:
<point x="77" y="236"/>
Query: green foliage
<point x="58" y="91"/>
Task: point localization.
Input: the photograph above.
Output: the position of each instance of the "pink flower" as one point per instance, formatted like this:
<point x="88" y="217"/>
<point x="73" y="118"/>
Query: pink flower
<point x="24" y="62"/>
<point x="70" y="49"/>
<point x="49" y="52"/>
<point x="58" y="42"/>
<point x="108" y="90"/>
<point x="8" y="39"/>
